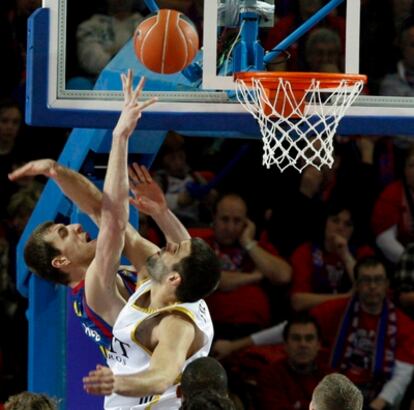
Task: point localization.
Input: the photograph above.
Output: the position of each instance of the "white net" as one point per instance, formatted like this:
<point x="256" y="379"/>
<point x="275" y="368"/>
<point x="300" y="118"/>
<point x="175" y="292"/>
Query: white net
<point x="297" y="130"/>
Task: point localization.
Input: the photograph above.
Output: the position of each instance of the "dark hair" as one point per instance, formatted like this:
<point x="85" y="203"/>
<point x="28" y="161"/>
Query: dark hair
<point x="406" y="24"/>
<point x="173" y="142"/>
<point x="6" y="103"/>
<point x="367" y="262"/>
<point x="337" y="392"/>
<point x="207" y="400"/>
<point x="30" y="401"/>
<point x="204" y="373"/>
<point x="301" y="319"/>
<point x="38" y="255"/>
<point x="334" y="207"/>
<point x="200" y="272"/>
<point x="225" y="195"/>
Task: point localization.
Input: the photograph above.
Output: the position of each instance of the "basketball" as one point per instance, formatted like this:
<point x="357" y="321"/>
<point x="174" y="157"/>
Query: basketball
<point x="166" y="42"/>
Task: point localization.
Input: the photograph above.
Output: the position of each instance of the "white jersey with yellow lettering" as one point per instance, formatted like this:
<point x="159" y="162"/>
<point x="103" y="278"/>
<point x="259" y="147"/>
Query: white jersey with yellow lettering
<point x="126" y="355"/>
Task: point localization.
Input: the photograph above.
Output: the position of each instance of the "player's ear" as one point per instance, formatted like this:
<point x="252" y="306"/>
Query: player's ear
<point x="174" y="279"/>
<point x="60" y="262"/>
<point x="179" y="392"/>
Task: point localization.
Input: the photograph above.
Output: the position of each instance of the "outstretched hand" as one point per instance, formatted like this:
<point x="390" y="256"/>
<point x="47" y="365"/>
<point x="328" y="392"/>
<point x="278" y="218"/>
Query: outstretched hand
<point x="149" y="197"/>
<point x="100" y="381"/>
<point x="132" y="109"/>
<point x="46" y="167"/>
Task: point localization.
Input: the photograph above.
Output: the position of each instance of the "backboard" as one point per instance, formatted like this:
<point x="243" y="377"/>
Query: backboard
<point x="205" y="102"/>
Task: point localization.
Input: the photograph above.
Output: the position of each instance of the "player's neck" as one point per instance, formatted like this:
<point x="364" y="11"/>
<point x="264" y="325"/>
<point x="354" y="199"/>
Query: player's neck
<point x="161" y="296"/>
<point x="77" y="275"/>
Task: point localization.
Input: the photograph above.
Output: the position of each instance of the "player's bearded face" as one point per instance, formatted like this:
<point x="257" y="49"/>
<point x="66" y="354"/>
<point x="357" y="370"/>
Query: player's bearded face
<point x="156" y="267"/>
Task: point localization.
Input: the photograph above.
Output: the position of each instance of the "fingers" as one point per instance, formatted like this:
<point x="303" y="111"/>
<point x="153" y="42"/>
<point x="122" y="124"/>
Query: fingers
<point x="100" y="381"/>
<point x="147" y="103"/>
<point x="131" y="96"/>
<point x="20" y="172"/>
<point x="139" y="88"/>
<point x="146" y="174"/>
<point x="139" y="174"/>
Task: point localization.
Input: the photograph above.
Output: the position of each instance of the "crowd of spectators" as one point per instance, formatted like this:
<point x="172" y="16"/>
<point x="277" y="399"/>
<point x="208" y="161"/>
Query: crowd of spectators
<point x="331" y="252"/>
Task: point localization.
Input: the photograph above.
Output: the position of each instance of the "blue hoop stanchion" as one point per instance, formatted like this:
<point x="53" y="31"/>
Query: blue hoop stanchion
<point x="152" y="5"/>
<point x="301" y="30"/>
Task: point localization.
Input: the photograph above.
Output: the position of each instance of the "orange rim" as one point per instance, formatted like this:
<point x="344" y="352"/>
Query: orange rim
<point x="299" y="80"/>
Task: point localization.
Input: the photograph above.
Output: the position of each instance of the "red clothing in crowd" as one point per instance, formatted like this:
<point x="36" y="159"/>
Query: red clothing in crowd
<point x="281" y="387"/>
<point x="392" y="209"/>
<point x="246" y="304"/>
<point x="329" y="315"/>
<point x="316" y="271"/>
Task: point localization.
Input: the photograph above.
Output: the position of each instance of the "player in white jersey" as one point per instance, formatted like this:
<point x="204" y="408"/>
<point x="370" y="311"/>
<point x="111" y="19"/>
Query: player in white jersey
<point x="125" y="358"/>
<point x="180" y="274"/>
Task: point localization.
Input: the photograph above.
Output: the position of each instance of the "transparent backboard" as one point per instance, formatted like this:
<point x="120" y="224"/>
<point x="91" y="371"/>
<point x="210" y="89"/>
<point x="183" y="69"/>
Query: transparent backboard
<point x="212" y="91"/>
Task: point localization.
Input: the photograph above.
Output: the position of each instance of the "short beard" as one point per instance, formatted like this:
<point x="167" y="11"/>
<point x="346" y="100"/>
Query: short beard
<point x="156" y="268"/>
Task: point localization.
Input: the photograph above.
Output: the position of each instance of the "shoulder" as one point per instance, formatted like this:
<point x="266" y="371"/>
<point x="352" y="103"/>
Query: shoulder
<point x="391" y="190"/>
<point x="404" y="322"/>
<point x="331" y="308"/>
<point x="176" y="324"/>
<point x="302" y="250"/>
<point x="274" y="373"/>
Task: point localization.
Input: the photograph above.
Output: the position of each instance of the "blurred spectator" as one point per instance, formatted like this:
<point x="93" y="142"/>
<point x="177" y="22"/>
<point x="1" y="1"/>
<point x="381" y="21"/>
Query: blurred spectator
<point x="393" y="215"/>
<point x="403" y="281"/>
<point x="371" y="340"/>
<point x="19" y="210"/>
<point x="401" y="83"/>
<point x="296" y="215"/>
<point x="288" y="383"/>
<point x="354" y="179"/>
<point x="10" y="123"/>
<point x="323" y="51"/>
<point x="100" y="37"/>
<point x="336" y="392"/>
<point x="186" y="191"/>
<point x="287" y="24"/>
<point x="201" y="375"/>
<point x="13" y="30"/>
<point x="402" y="9"/>
<point x="30" y="401"/>
<point x="323" y="269"/>
<point x="241" y="306"/>
<point x="377" y="39"/>
<point x="270" y="336"/>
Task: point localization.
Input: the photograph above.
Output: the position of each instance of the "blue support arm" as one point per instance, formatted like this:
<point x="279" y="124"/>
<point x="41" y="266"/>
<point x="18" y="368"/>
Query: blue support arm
<point x="152" y="5"/>
<point x="301" y="30"/>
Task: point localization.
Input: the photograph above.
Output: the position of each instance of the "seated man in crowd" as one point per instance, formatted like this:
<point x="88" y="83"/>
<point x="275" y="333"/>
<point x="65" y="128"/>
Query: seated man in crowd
<point x="288" y="383"/>
<point x="371" y="340"/>
<point x="241" y="306"/>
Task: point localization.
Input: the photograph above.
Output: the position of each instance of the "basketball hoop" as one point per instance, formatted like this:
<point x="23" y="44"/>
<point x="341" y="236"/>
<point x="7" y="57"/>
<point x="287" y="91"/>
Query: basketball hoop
<point x="298" y="113"/>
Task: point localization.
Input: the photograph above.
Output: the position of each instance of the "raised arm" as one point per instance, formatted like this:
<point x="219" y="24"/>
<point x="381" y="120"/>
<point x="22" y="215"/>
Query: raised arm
<point x="79" y="189"/>
<point x="274" y="268"/>
<point x="100" y="280"/>
<point x="150" y="200"/>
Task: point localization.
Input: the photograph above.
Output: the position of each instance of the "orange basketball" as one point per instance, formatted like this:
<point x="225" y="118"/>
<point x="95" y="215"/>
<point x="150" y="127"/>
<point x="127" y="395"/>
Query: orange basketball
<point x="166" y="42"/>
